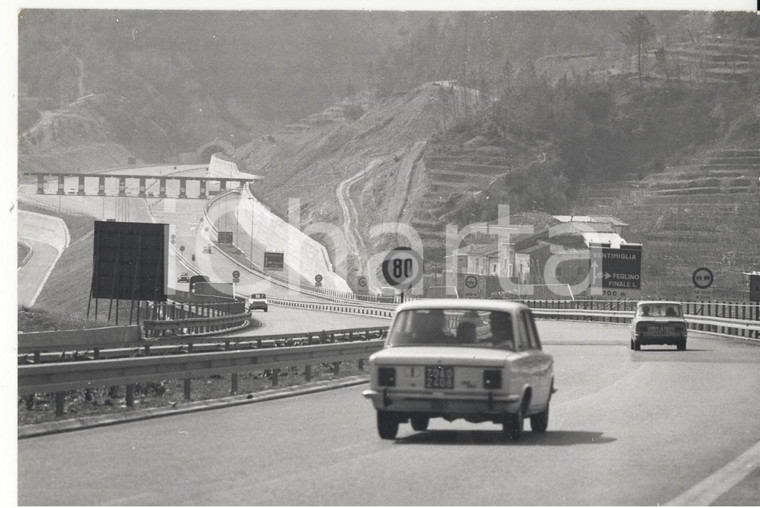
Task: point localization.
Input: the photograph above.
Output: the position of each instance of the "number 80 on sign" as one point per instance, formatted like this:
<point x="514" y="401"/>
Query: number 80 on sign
<point x="402" y="268"/>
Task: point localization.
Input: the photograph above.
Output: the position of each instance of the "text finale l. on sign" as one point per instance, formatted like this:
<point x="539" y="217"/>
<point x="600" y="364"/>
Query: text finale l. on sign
<point x="616" y="268"/>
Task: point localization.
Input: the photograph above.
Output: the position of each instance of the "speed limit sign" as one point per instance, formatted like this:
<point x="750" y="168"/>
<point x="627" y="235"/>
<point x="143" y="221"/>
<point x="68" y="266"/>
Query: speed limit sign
<point x="402" y="268"/>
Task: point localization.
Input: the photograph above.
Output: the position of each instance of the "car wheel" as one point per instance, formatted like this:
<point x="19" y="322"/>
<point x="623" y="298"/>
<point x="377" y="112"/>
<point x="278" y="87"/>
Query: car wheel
<point x="636" y="345"/>
<point x="682" y="345"/>
<point x="632" y="347"/>
<point x="513" y="425"/>
<point x="387" y="425"/>
<point x="539" y="422"/>
<point x="420" y="423"/>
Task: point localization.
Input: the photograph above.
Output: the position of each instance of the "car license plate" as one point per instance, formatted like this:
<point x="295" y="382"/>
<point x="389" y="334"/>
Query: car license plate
<point x="660" y="330"/>
<point x="439" y="377"/>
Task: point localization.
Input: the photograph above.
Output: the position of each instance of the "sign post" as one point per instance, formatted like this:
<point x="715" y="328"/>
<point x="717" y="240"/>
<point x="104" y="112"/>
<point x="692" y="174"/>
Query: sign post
<point x="616" y="272"/>
<point x="402" y="268"/>
<point x="471" y="289"/>
<point x="702" y="278"/>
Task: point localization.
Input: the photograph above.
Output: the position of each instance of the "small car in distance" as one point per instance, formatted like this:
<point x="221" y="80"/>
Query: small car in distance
<point x="183" y="277"/>
<point x="658" y="323"/>
<point x="480" y="360"/>
<point x="258" y="301"/>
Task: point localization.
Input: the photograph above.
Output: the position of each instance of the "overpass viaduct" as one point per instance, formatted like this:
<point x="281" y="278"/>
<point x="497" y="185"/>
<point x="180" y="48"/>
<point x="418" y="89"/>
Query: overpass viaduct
<point x="143" y="181"/>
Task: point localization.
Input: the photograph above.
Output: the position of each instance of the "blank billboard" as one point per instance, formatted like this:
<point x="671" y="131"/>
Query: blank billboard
<point x="130" y="260"/>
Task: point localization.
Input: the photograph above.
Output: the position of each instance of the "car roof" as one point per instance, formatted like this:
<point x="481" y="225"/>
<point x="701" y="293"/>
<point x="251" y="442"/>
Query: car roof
<point x="659" y="302"/>
<point x="465" y="304"/>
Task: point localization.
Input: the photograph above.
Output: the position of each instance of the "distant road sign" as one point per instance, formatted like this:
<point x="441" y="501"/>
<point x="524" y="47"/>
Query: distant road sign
<point x="402" y="268"/>
<point x="362" y="282"/>
<point x="621" y="268"/>
<point x="317" y="278"/>
<point x="274" y="261"/>
<point x="702" y="278"/>
<point x="471" y="289"/>
<point x="754" y="287"/>
<point x="236" y="274"/>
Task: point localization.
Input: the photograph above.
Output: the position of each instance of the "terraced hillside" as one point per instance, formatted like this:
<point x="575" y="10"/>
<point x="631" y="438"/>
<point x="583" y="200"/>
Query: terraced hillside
<point x="715" y="60"/>
<point x="453" y="173"/>
<point x="703" y="213"/>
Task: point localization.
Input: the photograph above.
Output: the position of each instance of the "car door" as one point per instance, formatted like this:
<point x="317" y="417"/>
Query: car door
<point x="540" y="363"/>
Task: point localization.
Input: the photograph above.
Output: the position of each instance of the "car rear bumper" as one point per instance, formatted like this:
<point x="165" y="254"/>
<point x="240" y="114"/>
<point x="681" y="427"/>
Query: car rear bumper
<point x="458" y="403"/>
<point x="671" y="340"/>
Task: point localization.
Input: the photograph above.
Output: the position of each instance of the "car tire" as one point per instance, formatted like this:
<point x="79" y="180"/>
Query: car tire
<point x="636" y="345"/>
<point x="681" y="345"/>
<point x="513" y="425"/>
<point x="420" y="423"/>
<point x="632" y="347"/>
<point x="540" y="421"/>
<point x="387" y="425"/>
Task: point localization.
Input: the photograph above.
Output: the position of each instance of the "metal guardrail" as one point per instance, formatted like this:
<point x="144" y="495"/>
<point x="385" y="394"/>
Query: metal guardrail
<point x="336" y="307"/>
<point x="89" y="374"/>
<point x="59" y="377"/>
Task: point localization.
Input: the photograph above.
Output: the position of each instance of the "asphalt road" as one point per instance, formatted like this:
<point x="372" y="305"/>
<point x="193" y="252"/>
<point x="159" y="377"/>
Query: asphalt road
<point x="641" y="428"/>
<point x="280" y="320"/>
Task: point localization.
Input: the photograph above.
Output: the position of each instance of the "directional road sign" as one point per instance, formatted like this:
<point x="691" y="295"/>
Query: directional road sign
<point x="402" y="268"/>
<point x="362" y="282"/>
<point x="616" y="271"/>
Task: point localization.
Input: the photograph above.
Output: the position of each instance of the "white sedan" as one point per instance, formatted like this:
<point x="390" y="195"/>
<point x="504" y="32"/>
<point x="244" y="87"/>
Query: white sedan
<point x="480" y="360"/>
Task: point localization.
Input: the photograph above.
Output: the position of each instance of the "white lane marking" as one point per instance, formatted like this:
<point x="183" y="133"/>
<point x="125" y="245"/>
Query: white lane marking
<point x="720" y="482"/>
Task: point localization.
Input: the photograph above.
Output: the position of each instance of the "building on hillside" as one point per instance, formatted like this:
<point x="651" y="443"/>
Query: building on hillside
<point x="523" y="257"/>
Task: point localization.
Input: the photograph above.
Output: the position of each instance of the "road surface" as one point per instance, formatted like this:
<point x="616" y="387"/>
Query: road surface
<point x="641" y="428"/>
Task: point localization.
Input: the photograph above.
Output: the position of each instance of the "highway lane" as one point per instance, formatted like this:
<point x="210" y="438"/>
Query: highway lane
<point x="279" y="320"/>
<point x="626" y="428"/>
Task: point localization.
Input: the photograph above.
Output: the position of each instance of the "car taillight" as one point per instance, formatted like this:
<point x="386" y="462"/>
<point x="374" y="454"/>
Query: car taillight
<point x="386" y="376"/>
<point x="492" y="379"/>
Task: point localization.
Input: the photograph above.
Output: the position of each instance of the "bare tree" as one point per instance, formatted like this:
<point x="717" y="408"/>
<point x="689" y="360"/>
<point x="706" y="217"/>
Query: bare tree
<point x="638" y="33"/>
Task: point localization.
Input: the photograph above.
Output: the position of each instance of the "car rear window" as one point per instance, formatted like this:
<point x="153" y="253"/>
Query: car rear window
<point x="453" y="327"/>
<point x="258" y="296"/>
<point x="659" y="310"/>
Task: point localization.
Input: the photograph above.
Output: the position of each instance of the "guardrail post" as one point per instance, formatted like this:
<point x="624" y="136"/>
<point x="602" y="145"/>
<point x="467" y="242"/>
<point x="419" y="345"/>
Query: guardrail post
<point x="275" y="377"/>
<point x="37" y="357"/>
<point x="234" y="388"/>
<point x="336" y="368"/>
<point x="361" y="364"/>
<point x="187" y="388"/>
<point x="307" y="373"/>
<point x="130" y="395"/>
<point x="96" y="353"/>
<point x="59" y="400"/>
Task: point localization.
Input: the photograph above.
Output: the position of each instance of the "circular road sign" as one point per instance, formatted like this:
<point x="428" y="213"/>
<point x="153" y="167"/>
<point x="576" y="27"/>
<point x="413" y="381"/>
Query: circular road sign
<point x="235" y="274"/>
<point x="702" y="278"/>
<point x="402" y="268"/>
<point x="362" y="281"/>
<point x="317" y="278"/>
<point x="471" y="281"/>
<point x="182" y="248"/>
